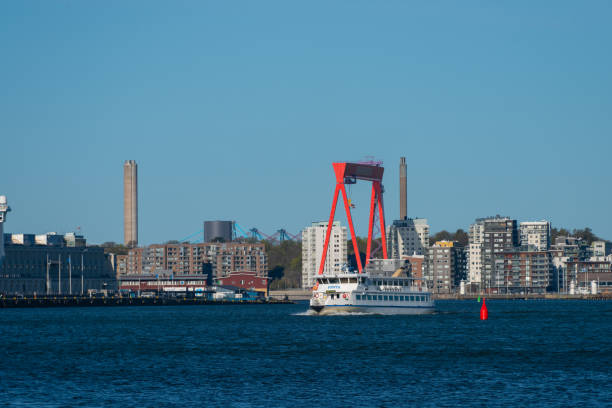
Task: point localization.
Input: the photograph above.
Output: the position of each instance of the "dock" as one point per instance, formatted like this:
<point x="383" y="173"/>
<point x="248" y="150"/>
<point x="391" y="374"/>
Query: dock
<point x="530" y="296"/>
<point x="78" y="301"/>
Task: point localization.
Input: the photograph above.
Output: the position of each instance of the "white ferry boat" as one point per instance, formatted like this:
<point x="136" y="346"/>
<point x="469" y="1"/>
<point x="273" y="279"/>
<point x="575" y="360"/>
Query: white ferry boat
<point x="375" y="291"/>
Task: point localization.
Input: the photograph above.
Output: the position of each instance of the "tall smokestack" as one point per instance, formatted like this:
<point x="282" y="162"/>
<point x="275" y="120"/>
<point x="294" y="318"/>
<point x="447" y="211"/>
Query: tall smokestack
<point x="130" y="203"/>
<point x="403" y="197"/>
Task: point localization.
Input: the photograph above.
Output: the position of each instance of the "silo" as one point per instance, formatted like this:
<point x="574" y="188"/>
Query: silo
<point x="218" y="230"/>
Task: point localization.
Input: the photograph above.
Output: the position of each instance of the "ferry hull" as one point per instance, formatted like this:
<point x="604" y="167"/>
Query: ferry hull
<point x="383" y="310"/>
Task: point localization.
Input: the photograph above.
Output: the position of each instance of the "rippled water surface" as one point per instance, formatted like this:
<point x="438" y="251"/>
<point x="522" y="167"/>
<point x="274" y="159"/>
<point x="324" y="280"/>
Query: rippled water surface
<point x="529" y="353"/>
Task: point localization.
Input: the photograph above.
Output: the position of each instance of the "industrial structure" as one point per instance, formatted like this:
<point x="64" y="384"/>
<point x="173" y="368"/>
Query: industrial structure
<point x="130" y="203"/>
<point x="349" y="173"/>
<point x="221" y="231"/>
<point x="407" y="237"/>
<point x="51" y="264"/>
<point x="4" y="208"/>
<point x="403" y="189"/>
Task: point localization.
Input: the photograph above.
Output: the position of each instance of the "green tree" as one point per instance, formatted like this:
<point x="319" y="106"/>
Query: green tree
<point x="115" y="248"/>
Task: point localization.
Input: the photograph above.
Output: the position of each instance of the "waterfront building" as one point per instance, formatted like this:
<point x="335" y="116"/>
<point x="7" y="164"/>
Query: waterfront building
<point x="313" y="240"/>
<point x="246" y="280"/>
<point x="523" y="270"/>
<point x="499" y="234"/>
<point x="165" y="282"/>
<point x="566" y="249"/>
<point x="54" y="269"/>
<point x="474" y="254"/>
<point x="601" y="249"/>
<point x="416" y="265"/>
<point x="581" y="274"/>
<point x="215" y="258"/>
<point x="447" y="266"/>
<point x="130" y="203"/>
<point x="407" y="237"/>
<point x="535" y="233"/>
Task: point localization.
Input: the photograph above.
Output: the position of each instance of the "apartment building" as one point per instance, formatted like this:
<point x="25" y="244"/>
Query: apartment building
<point x="216" y="259"/>
<point x="447" y="266"/>
<point x="536" y="234"/>
<point x="489" y="237"/>
<point x="521" y="270"/>
<point x="313" y="241"/>
<point x="407" y="237"/>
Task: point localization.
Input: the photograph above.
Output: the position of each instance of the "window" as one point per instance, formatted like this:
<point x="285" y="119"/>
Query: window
<point x="396" y="298"/>
<point x="386" y="297"/>
<point x="358" y="297"/>
<point x="412" y="298"/>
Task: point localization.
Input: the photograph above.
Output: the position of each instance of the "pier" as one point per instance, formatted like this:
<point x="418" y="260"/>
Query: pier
<point x="530" y="296"/>
<point x="78" y="301"/>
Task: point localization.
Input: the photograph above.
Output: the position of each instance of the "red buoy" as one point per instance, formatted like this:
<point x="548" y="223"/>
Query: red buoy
<point x="484" y="313"/>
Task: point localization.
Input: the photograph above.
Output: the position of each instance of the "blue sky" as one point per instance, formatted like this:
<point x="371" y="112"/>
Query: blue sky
<point x="235" y="110"/>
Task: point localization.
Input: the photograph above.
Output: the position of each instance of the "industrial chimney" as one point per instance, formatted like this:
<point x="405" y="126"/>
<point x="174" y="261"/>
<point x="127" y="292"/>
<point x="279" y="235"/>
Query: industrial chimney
<point x="403" y="197"/>
<point x="130" y="203"/>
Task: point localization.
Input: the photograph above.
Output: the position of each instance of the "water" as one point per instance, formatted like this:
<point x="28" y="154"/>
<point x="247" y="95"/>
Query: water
<point x="529" y="353"/>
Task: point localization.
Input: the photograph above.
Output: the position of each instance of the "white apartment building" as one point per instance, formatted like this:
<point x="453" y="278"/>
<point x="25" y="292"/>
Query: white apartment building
<point x="313" y="240"/>
<point x="474" y="256"/>
<point x="535" y="233"/>
<point x="407" y="238"/>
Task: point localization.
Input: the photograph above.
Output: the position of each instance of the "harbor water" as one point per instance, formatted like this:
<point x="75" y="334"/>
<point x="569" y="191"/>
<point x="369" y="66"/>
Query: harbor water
<point x="529" y="353"/>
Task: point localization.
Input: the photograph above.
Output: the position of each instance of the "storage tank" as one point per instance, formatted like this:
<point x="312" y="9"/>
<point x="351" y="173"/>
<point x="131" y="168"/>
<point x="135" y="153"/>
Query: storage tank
<point x="218" y="230"/>
<point x="594" y="288"/>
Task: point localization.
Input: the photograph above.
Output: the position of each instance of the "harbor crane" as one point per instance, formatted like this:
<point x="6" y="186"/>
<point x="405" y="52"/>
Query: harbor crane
<point x="349" y="173"/>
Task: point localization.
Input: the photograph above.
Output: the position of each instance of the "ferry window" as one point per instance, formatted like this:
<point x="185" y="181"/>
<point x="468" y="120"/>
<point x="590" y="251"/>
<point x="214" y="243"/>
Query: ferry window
<point x="401" y="298"/>
<point x="362" y="280"/>
<point x="358" y="297"/>
<point x="380" y="297"/>
<point x="412" y="298"/>
<point x="395" y="298"/>
<point x="386" y="297"/>
<point x="369" y="297"/>
<point x="344" y="280"/>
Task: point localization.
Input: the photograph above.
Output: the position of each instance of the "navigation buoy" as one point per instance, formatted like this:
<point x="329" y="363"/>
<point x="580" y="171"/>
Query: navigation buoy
<point x="484" y="313"/>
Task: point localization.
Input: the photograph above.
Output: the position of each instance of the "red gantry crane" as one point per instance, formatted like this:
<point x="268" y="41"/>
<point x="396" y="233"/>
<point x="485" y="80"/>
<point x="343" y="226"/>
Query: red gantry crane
<point x="349" y="173"/>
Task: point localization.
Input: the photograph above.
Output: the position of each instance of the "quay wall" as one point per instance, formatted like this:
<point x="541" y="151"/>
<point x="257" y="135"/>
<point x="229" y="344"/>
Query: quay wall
<point x="67" y="301"/>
